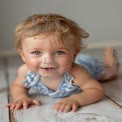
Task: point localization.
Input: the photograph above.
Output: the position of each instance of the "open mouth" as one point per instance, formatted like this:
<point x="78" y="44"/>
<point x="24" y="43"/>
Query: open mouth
<point x="49" y="68"/>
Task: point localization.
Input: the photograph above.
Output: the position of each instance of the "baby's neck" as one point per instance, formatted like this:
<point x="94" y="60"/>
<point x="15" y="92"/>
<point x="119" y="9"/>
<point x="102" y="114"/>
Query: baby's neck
<point x="49" y="79"/>
<point x="52" y="83"/>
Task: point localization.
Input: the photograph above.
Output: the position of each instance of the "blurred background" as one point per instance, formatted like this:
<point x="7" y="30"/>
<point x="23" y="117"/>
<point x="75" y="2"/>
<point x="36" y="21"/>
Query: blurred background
<point x="102" y="19"/>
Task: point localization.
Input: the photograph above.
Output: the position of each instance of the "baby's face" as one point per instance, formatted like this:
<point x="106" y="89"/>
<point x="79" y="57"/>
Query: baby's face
<point x="46" y="56"/>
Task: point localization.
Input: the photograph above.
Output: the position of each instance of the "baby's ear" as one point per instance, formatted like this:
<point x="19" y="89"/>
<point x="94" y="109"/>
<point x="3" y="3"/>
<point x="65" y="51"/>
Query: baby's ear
<point x="21" y="54"/>
<point x="75" y="55"/>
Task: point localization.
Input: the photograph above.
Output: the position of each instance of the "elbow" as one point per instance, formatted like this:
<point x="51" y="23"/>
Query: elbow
<point x="97" y="95"/>
<point x="100" y="94"/>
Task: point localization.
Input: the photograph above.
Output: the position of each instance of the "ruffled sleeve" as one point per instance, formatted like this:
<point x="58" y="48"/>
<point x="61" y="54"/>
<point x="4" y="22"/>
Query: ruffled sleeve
<point x="31" y="79"/>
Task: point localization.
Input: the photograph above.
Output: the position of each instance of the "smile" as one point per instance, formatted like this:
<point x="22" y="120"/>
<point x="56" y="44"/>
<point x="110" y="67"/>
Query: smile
<point x="48" y="69"/>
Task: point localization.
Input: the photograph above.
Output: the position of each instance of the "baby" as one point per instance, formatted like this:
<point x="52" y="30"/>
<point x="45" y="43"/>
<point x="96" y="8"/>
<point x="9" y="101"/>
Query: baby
<point x="49" y="45"/>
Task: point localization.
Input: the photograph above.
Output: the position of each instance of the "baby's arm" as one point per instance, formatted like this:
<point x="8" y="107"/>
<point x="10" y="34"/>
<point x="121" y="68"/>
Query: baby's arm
<point x="20" y="93"/>
<point x="92" y="91"/>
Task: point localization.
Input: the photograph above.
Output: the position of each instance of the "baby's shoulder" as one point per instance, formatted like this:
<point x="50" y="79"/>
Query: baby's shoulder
<point x="76" y="69"/>
<point x="79" y="72"/>
<point x="23" y="70"/>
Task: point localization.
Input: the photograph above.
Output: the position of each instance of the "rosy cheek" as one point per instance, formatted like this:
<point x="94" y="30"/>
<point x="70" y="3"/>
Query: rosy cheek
<point x="65" y="62"/>
<point x="31" y="62"/>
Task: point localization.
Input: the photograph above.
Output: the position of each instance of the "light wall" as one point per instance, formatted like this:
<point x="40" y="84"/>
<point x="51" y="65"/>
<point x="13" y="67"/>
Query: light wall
<point x="0" y="25"/>
<point x="101" y="18"/>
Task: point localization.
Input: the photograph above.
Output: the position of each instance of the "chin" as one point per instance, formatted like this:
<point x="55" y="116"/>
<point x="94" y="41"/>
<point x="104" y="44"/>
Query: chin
<point x="50" y="75"/>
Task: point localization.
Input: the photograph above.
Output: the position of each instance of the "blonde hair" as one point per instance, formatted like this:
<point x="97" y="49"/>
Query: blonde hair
<point x="38" y="24"/>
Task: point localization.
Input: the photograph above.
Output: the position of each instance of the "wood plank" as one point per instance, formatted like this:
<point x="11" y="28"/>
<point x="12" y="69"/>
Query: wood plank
<point x="114" y="88"/>
<point x="13" y="64"/>
<point x="103" y="111"/>
<point x="4" y="112"/>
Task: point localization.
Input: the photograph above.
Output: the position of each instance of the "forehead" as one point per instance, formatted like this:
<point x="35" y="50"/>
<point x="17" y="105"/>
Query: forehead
<point x="52" y="40"/>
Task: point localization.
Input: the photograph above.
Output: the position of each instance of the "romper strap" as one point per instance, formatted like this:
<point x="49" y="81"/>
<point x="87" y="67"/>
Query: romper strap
<point x="31" y="79"/>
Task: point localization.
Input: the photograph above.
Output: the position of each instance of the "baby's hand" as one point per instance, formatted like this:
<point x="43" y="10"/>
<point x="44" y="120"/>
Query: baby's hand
<point x="23" y="103"/>
<point x="66" y="105"/>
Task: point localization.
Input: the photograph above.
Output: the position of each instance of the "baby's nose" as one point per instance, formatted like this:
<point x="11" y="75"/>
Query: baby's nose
<point x="48" y="60"/>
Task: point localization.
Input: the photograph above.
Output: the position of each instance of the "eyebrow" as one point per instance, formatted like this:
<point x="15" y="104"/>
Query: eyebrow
<point x="33" y="49"/>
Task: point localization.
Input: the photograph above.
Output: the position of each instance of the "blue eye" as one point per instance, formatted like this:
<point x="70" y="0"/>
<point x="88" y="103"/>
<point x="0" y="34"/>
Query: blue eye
<point x="36" y="53"/>
<point x="59" y="52"/>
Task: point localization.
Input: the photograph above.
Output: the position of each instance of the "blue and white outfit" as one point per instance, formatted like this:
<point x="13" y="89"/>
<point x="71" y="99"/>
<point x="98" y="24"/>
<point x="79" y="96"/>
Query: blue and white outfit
<point x="67" y="87"/>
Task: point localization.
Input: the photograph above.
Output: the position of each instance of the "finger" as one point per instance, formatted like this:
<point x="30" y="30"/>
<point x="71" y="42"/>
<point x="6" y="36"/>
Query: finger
<point x="25" y="105"/>
<point x="18" y="106"/>
<point x="62" y="107"/>
<point x="8" y="105"/>
<point x="57" y="106"/>
<point x="67" y="107"/>
<point x="12" y="106"/>
<point x="36" y="102"/>
<point x="74" y="108"/>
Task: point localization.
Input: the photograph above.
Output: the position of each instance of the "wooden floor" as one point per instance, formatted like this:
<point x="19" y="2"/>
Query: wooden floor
<point x="107" y="110"/>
